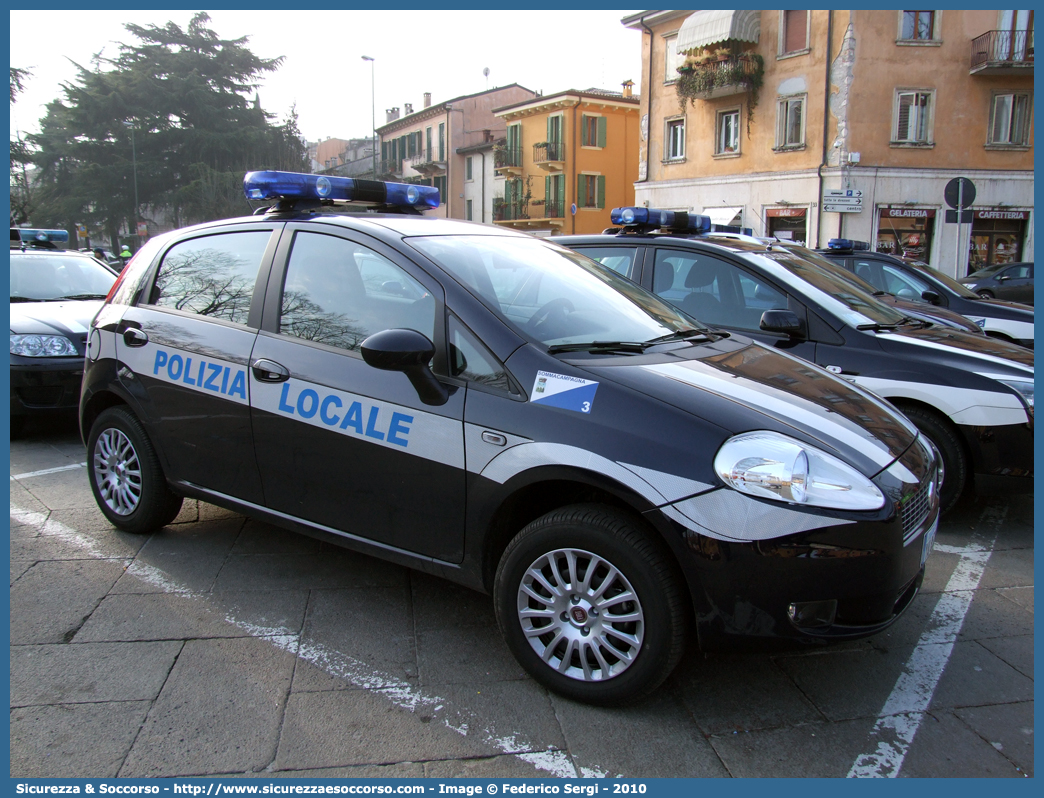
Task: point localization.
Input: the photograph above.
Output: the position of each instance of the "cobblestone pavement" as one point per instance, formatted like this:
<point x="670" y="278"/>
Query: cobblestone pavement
<point x="225" y="646"/>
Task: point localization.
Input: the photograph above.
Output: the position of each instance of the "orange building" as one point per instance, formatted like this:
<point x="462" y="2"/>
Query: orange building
<point x="567" y="160"/>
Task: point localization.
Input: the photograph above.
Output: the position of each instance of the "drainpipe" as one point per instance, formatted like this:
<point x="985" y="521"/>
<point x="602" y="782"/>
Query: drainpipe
<point x="826" y="128"/>
<point x="576" y="167"/>
<point x="648" y="110"/>
<point x="483" y="189"/>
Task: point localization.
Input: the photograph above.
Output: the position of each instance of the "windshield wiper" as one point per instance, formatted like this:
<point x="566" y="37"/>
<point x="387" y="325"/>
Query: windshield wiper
<point x="683" y="335"/>
<point x="878" y="326"/>
<point x="600" y="346"/>
<point x="26" y="299"/>
<point x="78" y="296"/>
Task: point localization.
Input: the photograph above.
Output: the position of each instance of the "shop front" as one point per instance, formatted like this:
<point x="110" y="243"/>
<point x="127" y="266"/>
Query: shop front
<point x="906" y="232"/>
<point x="998" y="236"/>
<point x="787" y="224"/>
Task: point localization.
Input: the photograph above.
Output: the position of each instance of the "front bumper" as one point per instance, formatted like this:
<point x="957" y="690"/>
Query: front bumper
<point x="48" y="384"/>
<point x="1002" y="457"/>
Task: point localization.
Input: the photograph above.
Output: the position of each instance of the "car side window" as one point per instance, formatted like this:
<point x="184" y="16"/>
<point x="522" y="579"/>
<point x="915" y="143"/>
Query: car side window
<point x="1016" y="272"/>
<point x="338" y="293"/>
<point x="470" y="360"/>
<point x="212" y="275"/>
<point x="619" y="259"/>
<point x="713" y="291"/>
<point x="903" y="285"/>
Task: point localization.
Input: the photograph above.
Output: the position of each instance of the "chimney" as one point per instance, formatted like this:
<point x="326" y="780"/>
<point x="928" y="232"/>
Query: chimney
<point x="427" y="99"/>
<point x="409" y="108"/>
<point x="627" y="84"/>
<point x="391" y="114"/>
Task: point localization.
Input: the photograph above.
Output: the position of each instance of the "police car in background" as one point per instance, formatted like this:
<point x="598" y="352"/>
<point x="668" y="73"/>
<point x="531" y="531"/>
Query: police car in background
<point x="489" y="407"/>
<point x="910" y="279"/>
<point x="972" y="396"/>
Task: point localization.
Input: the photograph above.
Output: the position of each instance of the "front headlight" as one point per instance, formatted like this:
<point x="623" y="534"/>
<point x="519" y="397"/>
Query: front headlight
<point x="42" y="346"/>
<point x="1024" y="388"/>
<point x="970" y="286"/>
<point x="773" y="466"/>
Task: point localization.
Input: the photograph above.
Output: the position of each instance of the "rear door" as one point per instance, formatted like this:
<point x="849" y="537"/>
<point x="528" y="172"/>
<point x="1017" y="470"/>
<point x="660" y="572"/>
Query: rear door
<point x="339" y="443"/>
<point x="187" y="346"/>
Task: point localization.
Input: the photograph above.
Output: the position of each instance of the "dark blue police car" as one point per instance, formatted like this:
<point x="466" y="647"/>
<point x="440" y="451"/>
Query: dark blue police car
<point x="972" y="396"/>
<point x="489" y="407"/>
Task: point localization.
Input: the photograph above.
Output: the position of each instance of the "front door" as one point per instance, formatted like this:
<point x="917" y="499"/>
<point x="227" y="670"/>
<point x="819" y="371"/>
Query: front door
<point x="339" y="443"/>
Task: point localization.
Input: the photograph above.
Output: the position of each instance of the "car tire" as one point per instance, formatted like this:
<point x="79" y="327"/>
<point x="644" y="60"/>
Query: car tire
<point x="125" y="474"/>
<point x="565" y="572"/>
<point x="948" y="444"/>
<point x="17" y="427"/>
<point x="986" y="294"/>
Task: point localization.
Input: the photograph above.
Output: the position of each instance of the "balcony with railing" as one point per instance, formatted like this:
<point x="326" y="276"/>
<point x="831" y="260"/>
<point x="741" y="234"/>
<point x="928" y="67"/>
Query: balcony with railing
<point x="391" y="166"/>
<point x="508" y="160"/>
<point x="428" y="161"/>
<point x="509" y="211"/>
<point x="707" y="77"/>
<point x="1003" y="52"/>
<point x="549" y="155"/>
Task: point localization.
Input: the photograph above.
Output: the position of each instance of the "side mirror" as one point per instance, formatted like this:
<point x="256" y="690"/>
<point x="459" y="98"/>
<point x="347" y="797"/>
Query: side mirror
<point x="410" y="352"/>
<point x="1003" y="277"/>
<point x="931" y="297"/>
<point x="782" y="321"/>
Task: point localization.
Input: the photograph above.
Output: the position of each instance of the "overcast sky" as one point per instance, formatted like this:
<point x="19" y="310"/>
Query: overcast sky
<point x="442" y="52"/>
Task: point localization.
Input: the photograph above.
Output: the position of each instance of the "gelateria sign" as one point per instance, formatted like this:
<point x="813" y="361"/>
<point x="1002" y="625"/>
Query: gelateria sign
<point x="907" y="213"/>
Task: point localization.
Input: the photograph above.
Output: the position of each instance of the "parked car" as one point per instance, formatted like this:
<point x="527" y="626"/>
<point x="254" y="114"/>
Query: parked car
<point x="1012" y="281"/>
<point x="913" y="279"/>
<point x="908" y="307"/>
<point x="972" y="396"/>
<point x="54" y="295"/>
<point x="500" y="411"/>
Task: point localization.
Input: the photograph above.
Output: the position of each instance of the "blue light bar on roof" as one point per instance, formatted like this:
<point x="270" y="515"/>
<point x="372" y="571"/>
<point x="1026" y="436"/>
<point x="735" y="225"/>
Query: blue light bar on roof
<point x="29" y="234"/>
<point x="651" y="217"/>
<point x="271" y="185"/>
<point x="847" y="243"/>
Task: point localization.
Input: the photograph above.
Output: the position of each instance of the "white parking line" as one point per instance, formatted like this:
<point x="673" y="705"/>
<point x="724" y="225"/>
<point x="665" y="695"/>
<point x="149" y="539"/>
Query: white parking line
<point x="901" y="716"/>
<point x="335" y="663"/>
<point x="47" y="471"/>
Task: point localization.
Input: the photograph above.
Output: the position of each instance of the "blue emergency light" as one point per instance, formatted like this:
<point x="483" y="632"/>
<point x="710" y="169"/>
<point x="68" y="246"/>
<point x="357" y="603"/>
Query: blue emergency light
<point x="271" y="185"/>
<point x="653" y="218"/>
<point x="847" y="243"/>
<point x="51" y="236"/>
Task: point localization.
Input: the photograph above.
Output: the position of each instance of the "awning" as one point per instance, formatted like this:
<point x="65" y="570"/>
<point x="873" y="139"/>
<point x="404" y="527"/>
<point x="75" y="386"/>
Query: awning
<point x="721" y="215"/>
<point x="710" y="27"/>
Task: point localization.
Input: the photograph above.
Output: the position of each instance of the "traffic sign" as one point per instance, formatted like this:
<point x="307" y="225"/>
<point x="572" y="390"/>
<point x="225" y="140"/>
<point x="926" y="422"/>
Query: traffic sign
<point x="965" y="218"/>
<point x="959" y="193"/>
<point x="844" y="200"/>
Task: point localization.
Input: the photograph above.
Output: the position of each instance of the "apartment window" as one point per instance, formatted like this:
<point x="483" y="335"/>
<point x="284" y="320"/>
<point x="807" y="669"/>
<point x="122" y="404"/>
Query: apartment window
<point x="1009" y="120"/>
<point x="675" y="140"/>
<point x="592" y="131"/>
<point x="468" y="210"/>
<point x="913" y="117"/>
<point x="440" y="184"/>
<point x="590" y="191"/>
<point x="727" y="137"/>
<point x="671" y="59"/>
<point x="790" y="124"/>
<point x="427" y="134"/>
<point x="917" y="26"/>
<point x="467" y="170"/>
<point x="793" y="32"/>
<point x="442" y="141"/>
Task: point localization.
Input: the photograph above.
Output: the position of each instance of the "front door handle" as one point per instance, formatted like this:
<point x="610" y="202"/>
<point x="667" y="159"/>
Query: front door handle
<point x="134" y="337"/>
<point x="266" y="370"/>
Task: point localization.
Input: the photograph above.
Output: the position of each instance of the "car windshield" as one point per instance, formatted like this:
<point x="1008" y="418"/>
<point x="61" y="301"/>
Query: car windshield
<point x="948" y="282"/>
<point x="554" y="295"/>
<point x="55" y="276"/>
<point x="835" y="293"/>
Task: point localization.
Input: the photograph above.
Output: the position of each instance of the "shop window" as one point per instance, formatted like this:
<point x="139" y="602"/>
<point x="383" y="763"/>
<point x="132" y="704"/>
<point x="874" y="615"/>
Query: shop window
<point x="1009" y="119"/>
<point x="913" y="117"/>
<point x="727" y="139"/>
<point x="906" y="232"/>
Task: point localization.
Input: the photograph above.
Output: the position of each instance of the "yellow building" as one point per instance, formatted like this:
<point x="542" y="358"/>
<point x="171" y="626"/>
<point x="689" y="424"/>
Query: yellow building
<point x="811" y="125"/>
<point x="568" y="159"/>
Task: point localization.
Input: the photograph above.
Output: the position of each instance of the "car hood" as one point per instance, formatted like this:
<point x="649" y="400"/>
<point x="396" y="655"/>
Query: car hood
<point x="69" y="318"/>
<point x="1001" y="308"/>
<point x="932" y="313"/>
<point x="741" y="386"/>
<point x="965" y="350"/>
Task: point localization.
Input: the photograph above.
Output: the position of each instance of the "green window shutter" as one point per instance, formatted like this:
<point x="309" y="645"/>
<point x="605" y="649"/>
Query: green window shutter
<point x="601" y="133"/>
<point x="585" y="122"/>
<point x="581" y="191"/>
<point x="601" y="191"/>
<point x="550" y="129"/>
<point x="547" y="191"/>
<point x="561" y="193"/>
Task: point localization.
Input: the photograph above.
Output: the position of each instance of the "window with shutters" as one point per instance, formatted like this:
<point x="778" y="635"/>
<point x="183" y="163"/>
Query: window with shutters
<point x="590" y="190"/>
<point x="674" y="140"/>
<point x="554" y="196"/>
<point x="440" y="184"/>
<point x="913" y="118"/>
<point x="468" y="175"/>
<point x="1009" y="120"/>
<point x="469" y="215"/>
<point x="428" y="153"/>
<point x="671" y="59"/>
<point x="793" y="32"/>
<point x="790" y="122"/>
<point x="727" y="137"/>
<point x="592" y="131"/>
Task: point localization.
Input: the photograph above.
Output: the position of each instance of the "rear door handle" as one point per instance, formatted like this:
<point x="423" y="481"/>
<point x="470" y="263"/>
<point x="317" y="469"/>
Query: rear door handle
<point x="266" y="370"/>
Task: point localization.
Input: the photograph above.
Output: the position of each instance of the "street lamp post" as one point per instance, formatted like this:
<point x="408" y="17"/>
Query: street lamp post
<point x="134" y="166"/>
<point x="373" y="114"/>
